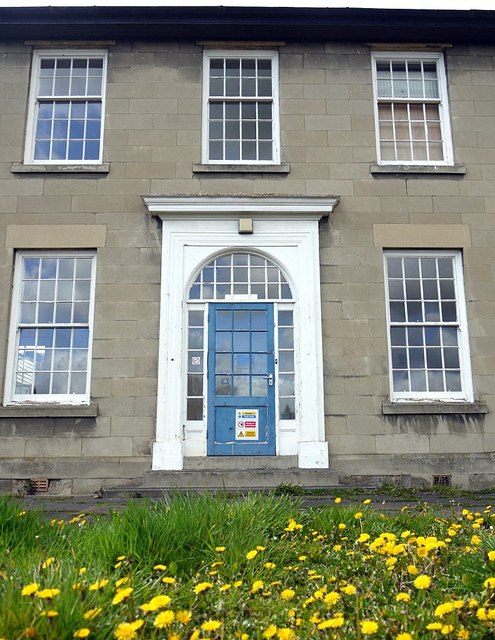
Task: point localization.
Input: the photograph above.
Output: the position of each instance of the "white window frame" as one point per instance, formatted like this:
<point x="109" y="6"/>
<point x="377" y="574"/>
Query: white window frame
<point x="466" y="392"/>
<point x="38" y="56"/>
<point x="275" y="101"/>
<point x="10" y="397"/>
<point x="442" y="101"/>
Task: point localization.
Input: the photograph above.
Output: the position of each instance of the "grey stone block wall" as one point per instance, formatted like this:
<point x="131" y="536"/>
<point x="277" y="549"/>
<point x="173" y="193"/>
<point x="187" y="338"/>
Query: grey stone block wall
<point x="152" y="140"/>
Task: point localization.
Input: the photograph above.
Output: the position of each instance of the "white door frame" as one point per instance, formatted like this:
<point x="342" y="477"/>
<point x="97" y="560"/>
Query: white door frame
<point x="194" y="228"/>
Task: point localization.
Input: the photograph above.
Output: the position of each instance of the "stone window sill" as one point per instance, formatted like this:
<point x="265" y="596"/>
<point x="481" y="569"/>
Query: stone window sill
<point x="49" y="411"/>
<point x="407" y="169"/>
<point x="19" y="167"/>
<point x="241" y="168"/>
<point x="425" y="408"/>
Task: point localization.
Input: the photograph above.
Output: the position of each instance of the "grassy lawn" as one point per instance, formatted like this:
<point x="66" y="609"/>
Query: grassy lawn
<point x="210" y="567"/>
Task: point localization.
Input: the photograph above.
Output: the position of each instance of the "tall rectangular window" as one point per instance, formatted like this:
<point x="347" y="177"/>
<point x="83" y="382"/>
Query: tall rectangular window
<point x="51" y="331"/>
<point x="66" y="108"/>
<point x="427" y="326"/>
<point x="241" y="107"/>
<point x="411" y="109"/>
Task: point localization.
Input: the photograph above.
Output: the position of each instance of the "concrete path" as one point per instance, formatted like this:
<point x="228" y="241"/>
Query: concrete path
<point x="65" y="508"/>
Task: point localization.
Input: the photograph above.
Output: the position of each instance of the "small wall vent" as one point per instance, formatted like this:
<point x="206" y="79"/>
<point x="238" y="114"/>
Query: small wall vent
<point x="39" y="485"/>
<point x="442" y="481"/>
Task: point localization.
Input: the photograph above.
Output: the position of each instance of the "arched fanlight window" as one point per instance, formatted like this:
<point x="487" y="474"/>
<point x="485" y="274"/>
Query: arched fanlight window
<point x="240" y="274"/>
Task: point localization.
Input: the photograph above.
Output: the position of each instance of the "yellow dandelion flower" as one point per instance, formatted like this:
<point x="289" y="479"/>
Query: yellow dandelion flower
<point x="489" y="583"/>
<point x="121" y="581"/>
<point x="158" y="602"/>
<point x="367" y="501"/>
<point x="481" y="614"/>
<point x="422" y="582"/>
<point x="442" y="609"/>
<point x="338" y="500"/>
<point x="270" y="631"/>
<point x="168" y="580"/>
<point x="403" y="597"/>
<point x="412" y="570"/>
<point x="270" y="565"/>
<point x="183" y="616"/>
<point x="260" y="548"/>
<point x="219" y="549"/>
<point x="491" y="556"/>
<point x="349" y="590"/>
<point x="251" y="554"/>
<point x="286" y="634"/>
<point x="47" y="563"/>
<point x="211" y="625"/>
<point x="47" y="594"/>
<point x="369" y="627"/>
<point x="50" y="614"/>
<point x="463" y="634"/>
<point x="342" y="526"/>
<point x="257" y="585"/>
<point x="434" y="626"/>
<point x="337" y="547"/>
<point x="91" y="614"/>
<point x="238" y="583"/>
<point x="225" y="587"/>
<point x="202" y="586"/>
<point x="333" y="623"/>
<point x="364" y="537"/>
<point x="21" y="514"/>
<point x="81" y="633"/>
<point x="121" y="595"/>
<point x="287" y="594"/>
<point x="99" y="584"/>
<point x="160" y="567"/>
<point x="127" y="630"/>
<point x="164" y="619"/>
<point x="446" y="629"/>
<point x="30" y="589"/>
<point x="331" y="598"/>
<point x="82" y="571"/>
<point x="404" y="636"/>
<point x="358" y="515"/>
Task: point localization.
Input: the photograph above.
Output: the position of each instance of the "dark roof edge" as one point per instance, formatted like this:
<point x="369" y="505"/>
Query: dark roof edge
<point x="172" y="22"/>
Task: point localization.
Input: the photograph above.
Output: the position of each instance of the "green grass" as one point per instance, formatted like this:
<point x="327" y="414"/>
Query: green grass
<point x="250" y="567"/>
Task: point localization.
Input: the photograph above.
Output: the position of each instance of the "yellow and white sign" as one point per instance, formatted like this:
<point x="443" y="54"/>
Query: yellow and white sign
<point x="247" y="423"/>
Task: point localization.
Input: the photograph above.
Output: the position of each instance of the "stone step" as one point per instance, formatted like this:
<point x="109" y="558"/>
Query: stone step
<point x="234" y="463"/>
<point x="232" y="480"/>
<point x="240" y="479"/>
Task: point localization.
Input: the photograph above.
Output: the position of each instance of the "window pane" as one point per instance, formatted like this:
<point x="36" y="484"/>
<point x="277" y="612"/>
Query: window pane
<point x="287" y="408"/>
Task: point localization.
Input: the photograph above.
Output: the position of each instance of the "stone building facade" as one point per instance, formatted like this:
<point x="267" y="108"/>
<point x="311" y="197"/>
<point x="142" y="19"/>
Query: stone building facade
<point x="247" y="235"/>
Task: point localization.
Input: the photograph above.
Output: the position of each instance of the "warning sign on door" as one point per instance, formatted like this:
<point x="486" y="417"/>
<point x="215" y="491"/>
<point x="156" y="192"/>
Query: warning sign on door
<point x="247" y="422"/>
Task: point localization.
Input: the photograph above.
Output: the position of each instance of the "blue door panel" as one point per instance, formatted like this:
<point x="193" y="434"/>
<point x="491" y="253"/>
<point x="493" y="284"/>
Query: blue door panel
<point x="241" y="390"/>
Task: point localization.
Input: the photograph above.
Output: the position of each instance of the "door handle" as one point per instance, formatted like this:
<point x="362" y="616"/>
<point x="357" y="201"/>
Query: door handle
<point x="269" y="377"/>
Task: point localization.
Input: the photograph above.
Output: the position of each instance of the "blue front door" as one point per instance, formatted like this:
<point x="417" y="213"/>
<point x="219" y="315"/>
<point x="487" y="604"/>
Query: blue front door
<point x="241" y="389"/>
